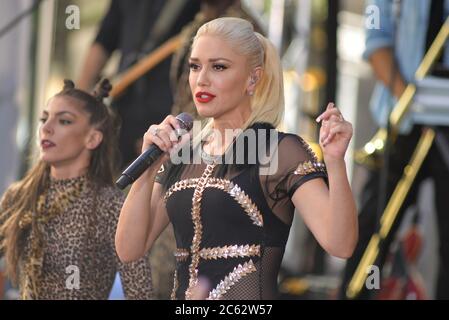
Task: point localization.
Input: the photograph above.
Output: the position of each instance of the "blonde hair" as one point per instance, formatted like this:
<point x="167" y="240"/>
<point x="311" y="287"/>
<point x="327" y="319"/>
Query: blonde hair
<point x="267" y="103"/>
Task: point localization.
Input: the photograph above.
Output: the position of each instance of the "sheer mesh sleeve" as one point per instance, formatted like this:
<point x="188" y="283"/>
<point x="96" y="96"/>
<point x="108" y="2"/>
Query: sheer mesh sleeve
<point x="296" y="164"/>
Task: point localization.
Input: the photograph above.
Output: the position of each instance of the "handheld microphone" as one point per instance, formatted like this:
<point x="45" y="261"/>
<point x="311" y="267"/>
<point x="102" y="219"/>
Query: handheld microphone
<point x="149" y="156"/>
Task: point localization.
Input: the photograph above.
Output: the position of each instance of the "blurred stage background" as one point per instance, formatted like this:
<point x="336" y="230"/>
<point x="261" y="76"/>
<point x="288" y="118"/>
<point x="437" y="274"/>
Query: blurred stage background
<point x="321" y="43"/>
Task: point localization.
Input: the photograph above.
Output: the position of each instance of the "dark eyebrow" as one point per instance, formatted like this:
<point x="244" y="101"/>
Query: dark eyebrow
<point x="64" y="112"/>
<point x="210" y="60"/>
<point x="61" y="113"/>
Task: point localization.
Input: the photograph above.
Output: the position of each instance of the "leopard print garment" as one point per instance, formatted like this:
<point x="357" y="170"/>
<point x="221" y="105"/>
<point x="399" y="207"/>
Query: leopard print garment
<point x="79" y="258"/>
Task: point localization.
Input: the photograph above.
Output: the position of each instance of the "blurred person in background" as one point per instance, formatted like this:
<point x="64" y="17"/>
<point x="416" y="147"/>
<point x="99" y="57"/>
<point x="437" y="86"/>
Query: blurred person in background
<point x="57" y="224"/>
<point x="394" y="51"/>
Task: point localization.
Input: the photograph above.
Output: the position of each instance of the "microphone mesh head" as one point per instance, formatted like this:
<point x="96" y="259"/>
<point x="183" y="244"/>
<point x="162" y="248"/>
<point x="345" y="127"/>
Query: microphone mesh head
<point x="185" y="121"/>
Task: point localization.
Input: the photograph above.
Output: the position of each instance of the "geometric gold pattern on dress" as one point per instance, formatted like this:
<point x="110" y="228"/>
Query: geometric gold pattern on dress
<point x="238" y="194"/>
<point x="181" y="185"/>
<point x="310" y="167"/>
<point x="175" y="286"/>
<point x="232" y="189"/>
<point x="197" y="230"/>
<point x="199" y="185"/>
<point x="181" y="254"/>
<point x="308" y="150"/>
<point x="231" y="279"/>
<point x="225" y="252"/>
<point x="230" y="252"/>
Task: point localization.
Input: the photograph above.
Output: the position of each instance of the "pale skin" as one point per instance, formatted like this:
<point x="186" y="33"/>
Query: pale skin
<point x="217" y="69"/>
<point x="66" y="139"/>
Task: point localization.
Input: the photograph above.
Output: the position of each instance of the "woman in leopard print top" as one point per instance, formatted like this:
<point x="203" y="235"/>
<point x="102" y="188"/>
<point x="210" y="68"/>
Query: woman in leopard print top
<point x="57" y="224"/>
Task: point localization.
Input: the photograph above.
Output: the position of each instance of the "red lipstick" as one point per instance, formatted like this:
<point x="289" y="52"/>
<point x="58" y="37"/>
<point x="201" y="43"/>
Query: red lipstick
<point x="204" y="97"/>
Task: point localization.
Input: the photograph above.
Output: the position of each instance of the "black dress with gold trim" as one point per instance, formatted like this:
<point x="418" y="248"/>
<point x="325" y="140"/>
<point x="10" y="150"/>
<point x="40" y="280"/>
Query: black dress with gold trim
<point x="231" y="223"/>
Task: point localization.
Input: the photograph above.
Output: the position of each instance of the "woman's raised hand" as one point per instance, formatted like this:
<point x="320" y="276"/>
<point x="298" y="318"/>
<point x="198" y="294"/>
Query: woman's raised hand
<point x="335" y="133"/>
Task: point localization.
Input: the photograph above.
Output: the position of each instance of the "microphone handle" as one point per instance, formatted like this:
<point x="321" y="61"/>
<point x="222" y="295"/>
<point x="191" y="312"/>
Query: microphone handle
<point x="138" y="166"/>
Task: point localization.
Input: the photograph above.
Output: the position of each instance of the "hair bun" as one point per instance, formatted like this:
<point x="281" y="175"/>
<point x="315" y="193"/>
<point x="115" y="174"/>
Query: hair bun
<point x="103" y="90"/>
<point x="68" y="84"/>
